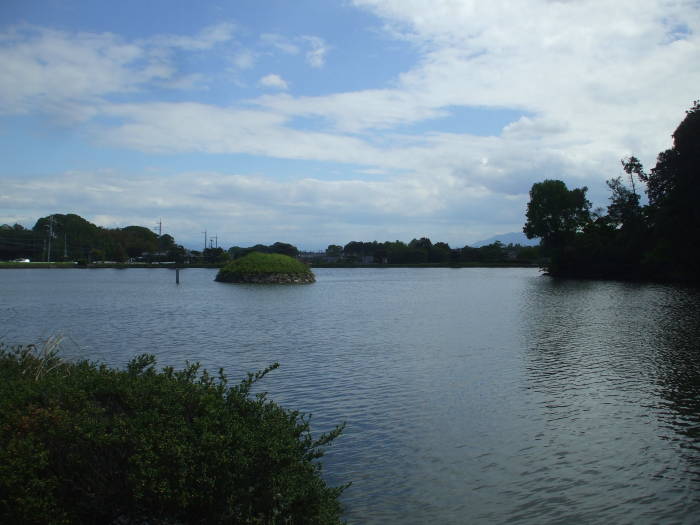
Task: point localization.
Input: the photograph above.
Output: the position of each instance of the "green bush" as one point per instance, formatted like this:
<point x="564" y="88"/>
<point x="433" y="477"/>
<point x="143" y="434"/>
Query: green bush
<point x="256" y="263"/>
<point x="82" y="443"/>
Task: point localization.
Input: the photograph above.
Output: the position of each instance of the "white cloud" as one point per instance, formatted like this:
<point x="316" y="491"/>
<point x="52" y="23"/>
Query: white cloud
<point x="194" y="127"/>
<point x="593" y="80"/>
<point x="279" y="42"/>
<point x="46" y="70"/>
<point x="273" y="81"/>
<point x="358" y="111"/>
<point x="206" y="39"/>
<point x="244" y="59"/>
<point x="316" y="55"/>
<point x="596" y="80"/>
<point x="309" y="212"/>
<point x="43" y="68"/>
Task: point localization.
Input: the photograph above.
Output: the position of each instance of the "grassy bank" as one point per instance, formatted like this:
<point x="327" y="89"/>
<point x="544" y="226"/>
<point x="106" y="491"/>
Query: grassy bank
<point x="103" y="265"/>
<point x="501" y="264"/>
<point x="84" y="443"/>
<point x="37" y="265"/>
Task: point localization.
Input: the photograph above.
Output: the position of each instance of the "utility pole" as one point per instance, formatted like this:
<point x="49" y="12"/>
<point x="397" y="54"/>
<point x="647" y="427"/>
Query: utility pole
<point x="214" y="241"/>
<point x="50" y="228"/>
<point x="205" y="239"/>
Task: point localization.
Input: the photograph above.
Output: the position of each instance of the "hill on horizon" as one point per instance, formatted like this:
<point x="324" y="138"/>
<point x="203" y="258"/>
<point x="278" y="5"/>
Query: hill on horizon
<point x="507" y="238"/>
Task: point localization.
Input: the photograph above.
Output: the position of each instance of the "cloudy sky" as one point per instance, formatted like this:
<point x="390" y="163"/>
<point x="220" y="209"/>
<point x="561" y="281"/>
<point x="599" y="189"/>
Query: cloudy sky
<point x="317" y="122"/>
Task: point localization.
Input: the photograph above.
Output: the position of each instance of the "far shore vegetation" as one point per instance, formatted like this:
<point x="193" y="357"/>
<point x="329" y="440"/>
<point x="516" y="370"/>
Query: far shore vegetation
<point x="76" y="242"/>
<point x="656" y="241"/>
<point x="81" y="442"/>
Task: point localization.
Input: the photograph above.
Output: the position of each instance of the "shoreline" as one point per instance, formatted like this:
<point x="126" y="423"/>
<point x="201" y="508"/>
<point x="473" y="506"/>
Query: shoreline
<point x="172" y="266"/>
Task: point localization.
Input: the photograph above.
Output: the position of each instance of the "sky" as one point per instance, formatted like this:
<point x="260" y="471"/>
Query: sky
<point x="323" y="122"/>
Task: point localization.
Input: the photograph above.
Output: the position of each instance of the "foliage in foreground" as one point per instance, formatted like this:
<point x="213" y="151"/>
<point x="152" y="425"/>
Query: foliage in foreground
<point x="256" y="263"/>
<point x="82" y="443"/>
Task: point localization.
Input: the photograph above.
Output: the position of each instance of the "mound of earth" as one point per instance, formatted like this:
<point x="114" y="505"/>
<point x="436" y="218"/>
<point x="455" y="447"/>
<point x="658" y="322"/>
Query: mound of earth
<point x="266" y="268"/>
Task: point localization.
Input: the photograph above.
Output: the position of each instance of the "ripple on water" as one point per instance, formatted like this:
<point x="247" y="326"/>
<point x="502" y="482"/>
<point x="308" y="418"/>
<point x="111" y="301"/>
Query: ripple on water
<point x="470" y="395"/>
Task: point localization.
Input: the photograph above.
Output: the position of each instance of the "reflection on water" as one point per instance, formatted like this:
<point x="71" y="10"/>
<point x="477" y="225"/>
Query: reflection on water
<point x="470" y="395"/>
<point x="615" y="369"/>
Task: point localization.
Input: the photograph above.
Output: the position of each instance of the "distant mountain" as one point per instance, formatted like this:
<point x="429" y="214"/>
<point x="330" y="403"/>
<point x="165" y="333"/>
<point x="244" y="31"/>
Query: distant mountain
<point x="507" y="238"/>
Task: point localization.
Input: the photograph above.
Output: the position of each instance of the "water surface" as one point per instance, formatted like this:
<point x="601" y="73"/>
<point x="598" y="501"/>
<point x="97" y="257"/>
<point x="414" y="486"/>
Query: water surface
<point x="470" y="395"/>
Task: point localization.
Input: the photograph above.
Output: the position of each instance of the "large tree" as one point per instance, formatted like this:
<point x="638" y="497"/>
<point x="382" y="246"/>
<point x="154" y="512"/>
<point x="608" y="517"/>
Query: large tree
<point x="659" y="241"/>
<point x="674" y="200"/>
<point x="555" y="213"/>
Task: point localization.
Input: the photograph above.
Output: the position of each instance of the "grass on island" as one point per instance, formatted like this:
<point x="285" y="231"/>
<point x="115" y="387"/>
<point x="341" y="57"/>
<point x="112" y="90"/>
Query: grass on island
<point x="85" y="443"/>
<point x="257" y="263"/>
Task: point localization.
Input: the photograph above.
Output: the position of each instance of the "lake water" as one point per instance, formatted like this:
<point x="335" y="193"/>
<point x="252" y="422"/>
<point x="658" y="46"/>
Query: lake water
<point x="470" y="395"/>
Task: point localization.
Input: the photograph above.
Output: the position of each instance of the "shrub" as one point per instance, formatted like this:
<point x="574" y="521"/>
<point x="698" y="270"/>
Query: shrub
<point x="84" y="443"/>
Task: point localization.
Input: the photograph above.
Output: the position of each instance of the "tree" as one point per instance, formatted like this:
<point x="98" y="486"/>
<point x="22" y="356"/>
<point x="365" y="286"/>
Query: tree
<point x="660" y="241"/>
<point x="422" y="244"/>
<point x="215" y="255"/>
<point x="674" y="194"/>
<point x="17" y="242"/>
<point x="440" y="252"/>
<point x="138" y="240"/>
<point x="556" y="213"/>
<point x="624" y="206"/>
<point x="165" y="242"/>
<point x="120" y="254"/>
<point x="492" y="252"/>
<point x="177" y="253"/>
<point x="334" y="250"/>
<point x="285" y="249"/>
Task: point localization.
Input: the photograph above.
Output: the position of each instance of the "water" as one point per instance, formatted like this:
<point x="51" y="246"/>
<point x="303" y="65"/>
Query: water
<point x="470" y="395"/>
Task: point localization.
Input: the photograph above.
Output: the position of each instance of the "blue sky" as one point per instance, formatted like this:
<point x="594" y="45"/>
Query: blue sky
<point x="318" y="122"/>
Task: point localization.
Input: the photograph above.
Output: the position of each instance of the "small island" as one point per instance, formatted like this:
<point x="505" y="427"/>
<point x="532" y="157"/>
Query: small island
<point x="266" y="268"/>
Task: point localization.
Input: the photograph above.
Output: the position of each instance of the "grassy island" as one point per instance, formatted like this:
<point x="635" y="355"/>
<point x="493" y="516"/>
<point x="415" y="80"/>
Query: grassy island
<point x="266" y="268"/>
<point x="85" y="443"/>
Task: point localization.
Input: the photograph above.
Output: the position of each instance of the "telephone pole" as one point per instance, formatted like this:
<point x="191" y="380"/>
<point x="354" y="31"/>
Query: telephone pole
<point x="50" y="228"/>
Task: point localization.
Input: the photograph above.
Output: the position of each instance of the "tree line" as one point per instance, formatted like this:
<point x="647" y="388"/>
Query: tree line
<point x="424" y="251"/>
<point x="659" y="240"/>
<point x="70" y="237"/>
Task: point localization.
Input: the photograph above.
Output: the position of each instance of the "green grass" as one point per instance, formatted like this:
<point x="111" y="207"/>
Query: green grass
<point x="37" y="265"/>
<point x="257" y="263"/>
<point x="469" y="264"/>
